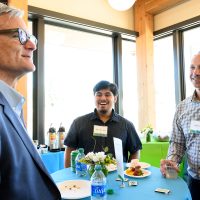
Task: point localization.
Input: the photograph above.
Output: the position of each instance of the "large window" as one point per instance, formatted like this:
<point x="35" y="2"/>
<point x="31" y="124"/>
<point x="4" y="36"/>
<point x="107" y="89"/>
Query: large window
<point x="129" y="74"/>
<point x="74" y="62"/>
<point x="73" y="55"/>
<point x="191" y="47"/>
<point x="164" y="83"/>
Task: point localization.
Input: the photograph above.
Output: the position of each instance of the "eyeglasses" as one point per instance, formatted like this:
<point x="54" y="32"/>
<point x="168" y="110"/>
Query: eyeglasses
<point x="23" y="36"/>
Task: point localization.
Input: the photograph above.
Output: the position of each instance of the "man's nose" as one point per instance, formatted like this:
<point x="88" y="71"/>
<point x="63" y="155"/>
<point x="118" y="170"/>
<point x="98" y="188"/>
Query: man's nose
<point x="30" y="45"/>
<point x="197" y="71"/>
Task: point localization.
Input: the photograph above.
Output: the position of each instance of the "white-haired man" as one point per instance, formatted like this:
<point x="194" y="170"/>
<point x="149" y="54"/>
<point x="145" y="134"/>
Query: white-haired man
<point x="22" y="173"/>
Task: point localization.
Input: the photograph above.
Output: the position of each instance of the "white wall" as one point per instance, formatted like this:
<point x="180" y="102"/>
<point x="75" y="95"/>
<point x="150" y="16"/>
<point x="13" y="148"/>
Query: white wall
<point x="177" y="14"/>
<point x="95" y="10"/>
<point x="100" y="11"/>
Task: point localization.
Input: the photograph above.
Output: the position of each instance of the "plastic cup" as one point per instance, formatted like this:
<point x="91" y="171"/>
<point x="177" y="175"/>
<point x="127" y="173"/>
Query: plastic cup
<point x="171" y="173"/>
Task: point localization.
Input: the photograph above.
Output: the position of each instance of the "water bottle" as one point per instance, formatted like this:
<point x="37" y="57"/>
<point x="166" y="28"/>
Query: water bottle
<point x="98" y="184"/>
<point x="81" y="168"/>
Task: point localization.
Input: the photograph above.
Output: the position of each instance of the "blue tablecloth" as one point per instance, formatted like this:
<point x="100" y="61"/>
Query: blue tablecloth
<point x="53" y="161"/>
<point x="143" y="191"/>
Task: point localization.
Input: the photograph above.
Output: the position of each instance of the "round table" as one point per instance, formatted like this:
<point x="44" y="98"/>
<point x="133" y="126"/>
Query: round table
<point x="145" y="190"/>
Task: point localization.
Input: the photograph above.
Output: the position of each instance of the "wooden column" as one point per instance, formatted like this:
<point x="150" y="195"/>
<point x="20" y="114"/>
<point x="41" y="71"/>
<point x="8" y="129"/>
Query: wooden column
<point x="144" y="11"/>
<point x="22" y="84"/>
<point x="144" y="52"/>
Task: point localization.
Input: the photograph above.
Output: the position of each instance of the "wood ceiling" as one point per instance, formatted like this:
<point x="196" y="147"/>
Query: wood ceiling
<point x="156" y="6"/>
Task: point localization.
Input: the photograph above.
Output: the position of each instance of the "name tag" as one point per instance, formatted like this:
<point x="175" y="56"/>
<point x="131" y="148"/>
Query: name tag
<point x="100" y="131"/>
<point x="195" y="127"/>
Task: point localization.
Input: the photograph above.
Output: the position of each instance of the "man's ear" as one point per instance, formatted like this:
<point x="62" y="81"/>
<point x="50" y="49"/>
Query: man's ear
<point x="115" y="99"/>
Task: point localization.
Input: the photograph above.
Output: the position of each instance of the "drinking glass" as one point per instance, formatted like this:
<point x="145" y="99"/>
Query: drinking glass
<point x="171" y="173"/>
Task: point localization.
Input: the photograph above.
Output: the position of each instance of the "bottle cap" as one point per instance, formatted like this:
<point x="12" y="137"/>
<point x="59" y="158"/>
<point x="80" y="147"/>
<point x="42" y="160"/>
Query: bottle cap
<point x="61" y="129"/>
<point x="97" y="167"/>
<point x="74" y="153"/>
<point x="110" y="191"/>
<point x="81" y="150"/>
<point x="52" y="130"/>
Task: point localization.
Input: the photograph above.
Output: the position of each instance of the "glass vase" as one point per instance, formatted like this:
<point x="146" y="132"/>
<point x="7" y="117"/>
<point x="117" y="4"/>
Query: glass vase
<point x="148" y="137"/>
<point x="91" y="170"/>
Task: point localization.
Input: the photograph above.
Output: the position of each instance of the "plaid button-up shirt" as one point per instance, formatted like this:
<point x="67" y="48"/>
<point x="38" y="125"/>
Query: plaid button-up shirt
<point x="182" y="142"/>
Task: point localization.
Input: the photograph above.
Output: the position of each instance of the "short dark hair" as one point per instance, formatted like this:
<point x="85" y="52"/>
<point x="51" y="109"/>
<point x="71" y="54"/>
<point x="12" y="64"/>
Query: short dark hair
<point x="106" y="85"/>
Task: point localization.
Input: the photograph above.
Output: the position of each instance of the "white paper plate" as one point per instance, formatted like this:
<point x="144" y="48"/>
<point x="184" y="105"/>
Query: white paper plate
<point x="75" y="189"/>
<point x="145" y="174"/>
<point x="111" y="167"/>
<point x="143" y="165"/>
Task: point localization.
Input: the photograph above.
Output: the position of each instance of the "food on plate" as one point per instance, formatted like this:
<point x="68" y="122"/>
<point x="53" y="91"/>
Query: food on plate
<point x="134" y="163"/>
<point x="135" y="171"/>
<point x="72" y="187"/>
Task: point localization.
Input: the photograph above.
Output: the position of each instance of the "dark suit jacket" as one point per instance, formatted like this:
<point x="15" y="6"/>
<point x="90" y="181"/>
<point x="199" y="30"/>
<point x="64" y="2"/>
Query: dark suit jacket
<point x="23" y="175"/>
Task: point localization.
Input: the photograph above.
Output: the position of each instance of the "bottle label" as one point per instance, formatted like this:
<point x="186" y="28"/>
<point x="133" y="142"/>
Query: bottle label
<point x="81" y="167"/>
<point x="61" y="140"/>
<point x="52" y="137"/>
<point x="98" y="190"/>
<point x="73" y="160"/>
<point x="62" y="136"/>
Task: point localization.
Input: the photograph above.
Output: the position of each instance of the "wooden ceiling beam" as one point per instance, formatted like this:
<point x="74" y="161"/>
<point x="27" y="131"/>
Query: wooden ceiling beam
<point x="156" y="6"/>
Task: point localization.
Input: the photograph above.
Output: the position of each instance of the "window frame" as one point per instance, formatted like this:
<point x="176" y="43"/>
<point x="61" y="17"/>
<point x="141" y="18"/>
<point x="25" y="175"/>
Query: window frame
<point x="40" y="17"/>
<point x="177" y="31"/>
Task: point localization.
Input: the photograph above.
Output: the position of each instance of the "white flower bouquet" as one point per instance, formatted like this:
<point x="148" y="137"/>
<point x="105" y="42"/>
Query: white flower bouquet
<point x="98" y="158"/>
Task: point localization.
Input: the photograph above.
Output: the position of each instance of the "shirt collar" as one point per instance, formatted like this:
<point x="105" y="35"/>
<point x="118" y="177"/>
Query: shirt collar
<point x="15" y="99"/>
<point x="114" y="116"/>
<point x="194" y="97"/>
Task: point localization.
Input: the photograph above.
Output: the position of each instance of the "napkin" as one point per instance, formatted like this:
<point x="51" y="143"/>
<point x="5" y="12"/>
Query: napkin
<point x="119" y="156"/>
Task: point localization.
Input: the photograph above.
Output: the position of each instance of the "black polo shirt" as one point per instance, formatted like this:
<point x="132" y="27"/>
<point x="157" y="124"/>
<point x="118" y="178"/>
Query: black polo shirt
<point x="80" y="134"/>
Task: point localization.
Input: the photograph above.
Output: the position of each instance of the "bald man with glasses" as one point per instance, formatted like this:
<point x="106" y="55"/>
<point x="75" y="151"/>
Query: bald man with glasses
<point x="22" y="173"/>
<point x="185" y="137"/>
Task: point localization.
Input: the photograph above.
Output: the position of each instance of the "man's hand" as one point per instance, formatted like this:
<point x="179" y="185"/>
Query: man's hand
<point x="68" y="151"/>
<point x="164" y="163"/>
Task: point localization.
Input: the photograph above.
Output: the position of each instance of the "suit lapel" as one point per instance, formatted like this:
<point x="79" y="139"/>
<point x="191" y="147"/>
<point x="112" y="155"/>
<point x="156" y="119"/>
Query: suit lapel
<point x="21" y="131"/>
